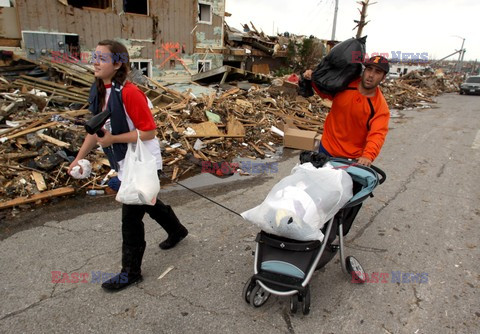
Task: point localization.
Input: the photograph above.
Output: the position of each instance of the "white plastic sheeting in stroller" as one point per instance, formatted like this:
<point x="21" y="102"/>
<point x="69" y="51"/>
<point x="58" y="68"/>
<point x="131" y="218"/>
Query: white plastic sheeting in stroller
<point x="300" y="204"/>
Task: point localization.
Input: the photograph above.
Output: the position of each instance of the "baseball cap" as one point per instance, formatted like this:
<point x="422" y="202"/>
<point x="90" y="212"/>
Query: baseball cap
<point x="378" y="61"/>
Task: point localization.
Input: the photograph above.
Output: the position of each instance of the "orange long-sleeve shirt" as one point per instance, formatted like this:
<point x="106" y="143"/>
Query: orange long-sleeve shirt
<point x="352" y="129"/>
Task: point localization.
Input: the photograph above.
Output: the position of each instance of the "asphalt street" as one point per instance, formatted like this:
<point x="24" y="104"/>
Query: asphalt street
<point x="422" y="222"/>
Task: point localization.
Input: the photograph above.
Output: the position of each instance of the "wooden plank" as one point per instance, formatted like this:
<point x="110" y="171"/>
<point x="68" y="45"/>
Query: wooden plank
<point x="269" y="147"/>
<point x="32" y="125"/>
<point x="206" y="129"/>
<point x="235" y="127"/>
<point x="53" y="141"/>
<point x="175" y="172"/>
<point x="211" y="98"/>
<point x="261" y="68"/>
<point x="10" y="42"/>
<point x="40" y="181"/>
<point x="86" y="17"/>
<point x="104" y="162"/>
<point x="47" y="194"/>
<point x="211" y="73"/>
<point x="61" y="13"/>
<point x="22" y="133"/>
<point x="21" y="155"/>
<point x="52" y="12"/>
<point x="175" y="94"/>
<point x="110" y="24"/>
<point x="256" y="148"/>
<point x="229" y="92"/>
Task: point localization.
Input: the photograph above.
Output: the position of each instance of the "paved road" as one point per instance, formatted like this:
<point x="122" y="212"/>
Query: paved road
<point x="423" y="220"/>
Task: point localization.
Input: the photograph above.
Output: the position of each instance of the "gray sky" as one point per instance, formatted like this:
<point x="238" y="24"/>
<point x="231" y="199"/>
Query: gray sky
<point x="409" y="26"/>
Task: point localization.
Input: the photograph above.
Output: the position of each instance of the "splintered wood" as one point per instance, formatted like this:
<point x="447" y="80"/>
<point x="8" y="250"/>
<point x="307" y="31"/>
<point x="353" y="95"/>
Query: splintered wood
<point x="40" y="134"/>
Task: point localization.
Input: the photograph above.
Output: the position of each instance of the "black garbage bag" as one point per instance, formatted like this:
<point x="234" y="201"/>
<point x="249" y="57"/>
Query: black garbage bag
<point x="340" y="67"/>
<point x="317" y="159"/>
<point x="305" y="88"/>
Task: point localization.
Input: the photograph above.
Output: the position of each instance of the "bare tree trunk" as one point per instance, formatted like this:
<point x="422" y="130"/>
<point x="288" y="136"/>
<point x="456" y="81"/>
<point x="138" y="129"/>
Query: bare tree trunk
<point x="363" y="15"/>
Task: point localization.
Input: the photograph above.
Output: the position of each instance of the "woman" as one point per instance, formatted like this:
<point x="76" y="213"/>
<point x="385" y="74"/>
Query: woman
<point x="130" y="112"/>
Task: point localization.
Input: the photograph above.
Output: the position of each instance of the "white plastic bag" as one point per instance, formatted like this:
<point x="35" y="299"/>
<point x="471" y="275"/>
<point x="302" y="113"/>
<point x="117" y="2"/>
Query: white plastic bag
<point x="140" y="183"/>
<point x="300" y="204"/>
<point x="86" y="169"/>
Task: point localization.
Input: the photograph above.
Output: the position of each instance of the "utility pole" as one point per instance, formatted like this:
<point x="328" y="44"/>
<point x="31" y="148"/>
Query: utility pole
<point x="460" y="55"/>
<point x="334" y="20"/>
<point x="463" y="54"/>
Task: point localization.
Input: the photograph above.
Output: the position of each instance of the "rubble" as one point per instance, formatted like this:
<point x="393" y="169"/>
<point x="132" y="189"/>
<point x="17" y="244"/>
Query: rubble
<point x="417" y="89"/>
<point x="42" y="125"/>
<point x="42" y="129"/>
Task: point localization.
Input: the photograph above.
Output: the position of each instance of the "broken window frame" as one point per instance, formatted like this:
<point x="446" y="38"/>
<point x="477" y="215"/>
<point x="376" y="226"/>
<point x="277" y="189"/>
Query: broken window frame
<point x="108" y="8"/>
<point x="143" y="60"/>
<point x="132" y="13"/>
<point x="204" y="68"/>
<point x="200" y="3"/>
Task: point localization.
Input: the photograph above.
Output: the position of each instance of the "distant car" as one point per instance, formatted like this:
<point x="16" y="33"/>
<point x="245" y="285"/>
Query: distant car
<point x="471" y="85"/>
<point x="393" y="75"/>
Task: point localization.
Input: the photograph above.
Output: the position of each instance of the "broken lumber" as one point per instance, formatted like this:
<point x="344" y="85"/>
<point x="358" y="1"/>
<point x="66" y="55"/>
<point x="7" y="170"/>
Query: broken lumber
<point x="45" y="195"/>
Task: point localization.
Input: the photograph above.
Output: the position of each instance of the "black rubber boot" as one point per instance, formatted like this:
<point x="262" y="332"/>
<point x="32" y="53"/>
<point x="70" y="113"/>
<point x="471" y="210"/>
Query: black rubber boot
<point x="131" y="269"/>
<point x="166" y="218"/>
<point x="174" y="235"/>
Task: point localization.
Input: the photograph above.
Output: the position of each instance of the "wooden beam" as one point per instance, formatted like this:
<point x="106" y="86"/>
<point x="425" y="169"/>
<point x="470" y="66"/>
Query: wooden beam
<point x="40" y="181"/>
<point x="21" y="155"/>
<point x="22" y="133"/>
<point x="29" y="199"/>
<point x="53" y="141"/>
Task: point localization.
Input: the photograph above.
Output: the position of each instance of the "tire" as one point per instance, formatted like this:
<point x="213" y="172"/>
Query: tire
<point x="247" y="290"/>
<point x="355" y="270"/>
<point x="258" y="296"/>
<point x="294" y="303"/>
<point x="461" y="92"/>
<point x="306" y="302"/>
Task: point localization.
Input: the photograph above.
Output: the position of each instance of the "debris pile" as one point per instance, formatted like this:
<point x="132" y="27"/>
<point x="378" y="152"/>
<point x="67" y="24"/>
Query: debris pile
<point x="42" y="125"/>
<point x="253" y="42"/>
<point x="416" y="89"/>
<point x="42" y="128"/>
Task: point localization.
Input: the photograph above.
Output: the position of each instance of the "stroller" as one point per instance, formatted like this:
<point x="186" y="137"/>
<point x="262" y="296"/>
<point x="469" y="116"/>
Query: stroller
<point x="284" y="267"/>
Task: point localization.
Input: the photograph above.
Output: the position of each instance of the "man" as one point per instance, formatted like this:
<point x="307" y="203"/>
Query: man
<point x="357" y="123"/>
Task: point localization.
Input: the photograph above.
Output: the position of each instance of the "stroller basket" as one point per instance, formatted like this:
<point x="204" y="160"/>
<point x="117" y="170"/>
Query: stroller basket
<point x="285" y="256"/>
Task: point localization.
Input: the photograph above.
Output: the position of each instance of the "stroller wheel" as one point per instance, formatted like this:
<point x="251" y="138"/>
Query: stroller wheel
<point x="247" y="289"/>
<point x="306" y="302"/>
<point x="258" y="296"/>
<point x="355" y="269"/>
<point x="294" y="303"/>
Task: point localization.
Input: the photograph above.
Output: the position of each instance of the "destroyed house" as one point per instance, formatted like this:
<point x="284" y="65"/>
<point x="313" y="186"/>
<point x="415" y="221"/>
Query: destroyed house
<point x="166" y="38"/>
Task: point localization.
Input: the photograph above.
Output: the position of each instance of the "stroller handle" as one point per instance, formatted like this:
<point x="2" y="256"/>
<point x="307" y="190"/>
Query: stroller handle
<point x="375" y="168"/>
<point x="381" y="172"/>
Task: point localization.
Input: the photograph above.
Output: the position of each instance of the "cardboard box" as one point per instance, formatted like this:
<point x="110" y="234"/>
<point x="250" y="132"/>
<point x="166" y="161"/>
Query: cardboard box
<point x="300" y="139"/>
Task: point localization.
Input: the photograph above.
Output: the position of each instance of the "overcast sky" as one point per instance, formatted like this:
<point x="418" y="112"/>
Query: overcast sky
<point x="409" y="26"/>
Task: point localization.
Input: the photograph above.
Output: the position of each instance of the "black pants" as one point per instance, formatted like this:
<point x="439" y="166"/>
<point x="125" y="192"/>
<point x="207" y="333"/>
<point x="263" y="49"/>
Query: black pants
<point x="133" y="231"/>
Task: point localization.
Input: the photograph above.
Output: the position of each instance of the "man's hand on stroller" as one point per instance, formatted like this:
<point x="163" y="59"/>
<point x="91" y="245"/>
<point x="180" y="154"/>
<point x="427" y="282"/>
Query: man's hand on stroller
<point x="364" y="161"/>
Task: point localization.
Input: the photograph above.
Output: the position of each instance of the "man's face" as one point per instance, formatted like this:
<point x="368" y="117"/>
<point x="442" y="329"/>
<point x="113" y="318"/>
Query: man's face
<point x="372" y="76"/>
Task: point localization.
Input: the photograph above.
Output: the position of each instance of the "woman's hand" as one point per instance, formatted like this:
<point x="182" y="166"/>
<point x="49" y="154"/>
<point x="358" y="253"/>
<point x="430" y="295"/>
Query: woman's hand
<point x="73" y="164"/>
<point x="308" y="74"/>
<point x="107" y="139"/>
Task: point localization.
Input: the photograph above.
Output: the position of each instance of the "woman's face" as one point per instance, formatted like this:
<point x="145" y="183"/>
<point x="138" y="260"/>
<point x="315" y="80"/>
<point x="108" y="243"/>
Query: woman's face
<point x="103" y="64"/>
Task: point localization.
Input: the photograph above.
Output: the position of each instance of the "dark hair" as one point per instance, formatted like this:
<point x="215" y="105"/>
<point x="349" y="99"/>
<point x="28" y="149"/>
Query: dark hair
<point x="117" y="49"/>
